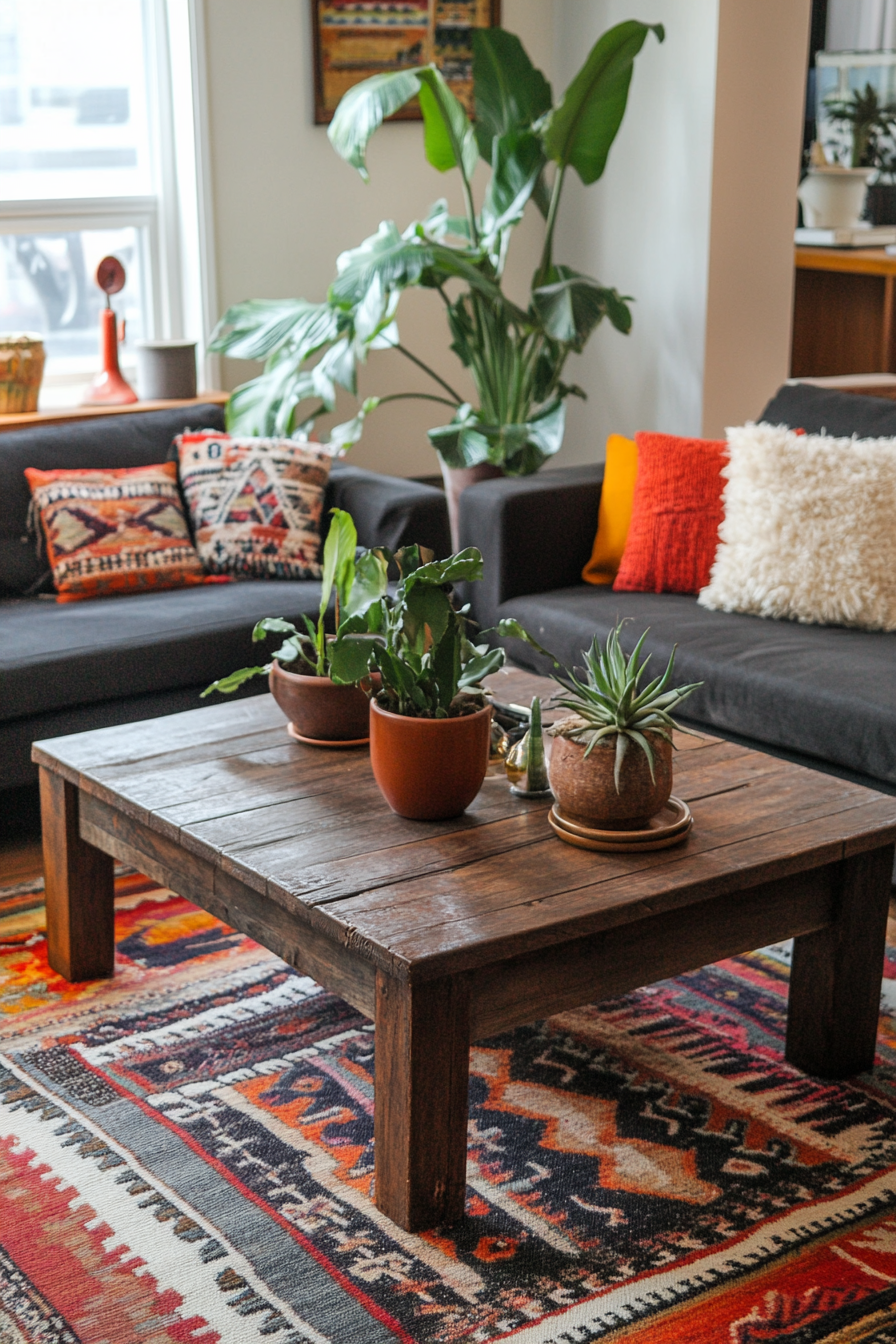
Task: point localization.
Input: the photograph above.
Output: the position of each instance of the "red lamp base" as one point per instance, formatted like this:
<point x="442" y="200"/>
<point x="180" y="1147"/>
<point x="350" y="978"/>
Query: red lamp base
<point x="109" y="388"/>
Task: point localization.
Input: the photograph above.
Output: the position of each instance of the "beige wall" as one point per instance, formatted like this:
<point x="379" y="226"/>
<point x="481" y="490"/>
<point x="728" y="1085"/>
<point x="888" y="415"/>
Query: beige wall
<point x="762" y="48"/>
<point x="285" y="204"/>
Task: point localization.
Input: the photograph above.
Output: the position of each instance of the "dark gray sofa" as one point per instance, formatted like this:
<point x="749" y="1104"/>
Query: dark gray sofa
<point x="68" y="667"/>
<point x="821" y="695"/>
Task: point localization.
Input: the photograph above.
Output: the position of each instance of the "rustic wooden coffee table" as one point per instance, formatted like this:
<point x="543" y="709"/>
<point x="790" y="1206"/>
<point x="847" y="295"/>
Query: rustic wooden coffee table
<point x="446" y="932"/>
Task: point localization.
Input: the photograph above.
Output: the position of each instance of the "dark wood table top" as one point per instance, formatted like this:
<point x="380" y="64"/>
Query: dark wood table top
<point x="309" y="830"/>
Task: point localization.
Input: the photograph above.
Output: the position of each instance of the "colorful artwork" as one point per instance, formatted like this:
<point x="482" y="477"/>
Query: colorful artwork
<point x="354" y="39"/>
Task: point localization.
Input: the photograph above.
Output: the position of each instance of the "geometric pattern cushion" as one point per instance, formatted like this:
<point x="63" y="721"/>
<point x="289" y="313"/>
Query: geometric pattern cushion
<point x="116" y="531"/>
<point x="255" y="504"/>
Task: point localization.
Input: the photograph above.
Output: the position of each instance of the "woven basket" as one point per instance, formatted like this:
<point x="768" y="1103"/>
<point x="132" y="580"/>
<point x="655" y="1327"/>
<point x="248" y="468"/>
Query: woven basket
<point x="21" y="371"/>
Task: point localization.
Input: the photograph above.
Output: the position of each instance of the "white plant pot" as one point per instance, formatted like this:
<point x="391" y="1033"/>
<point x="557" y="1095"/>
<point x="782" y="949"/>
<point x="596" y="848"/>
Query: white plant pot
<point x="832" y="198"/>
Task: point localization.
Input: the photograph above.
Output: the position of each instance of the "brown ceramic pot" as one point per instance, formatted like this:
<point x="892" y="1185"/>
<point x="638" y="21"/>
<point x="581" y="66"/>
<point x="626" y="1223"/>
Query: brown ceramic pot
<point x="586" y="791"/>
<point x="319" y="708"/>
<point x="457" y="479"/>
<point x="429" y="769"/>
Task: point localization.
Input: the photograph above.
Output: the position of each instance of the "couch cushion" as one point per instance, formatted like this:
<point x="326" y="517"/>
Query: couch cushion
<point x="139" y="440"/>
<point x="54" y="657"/>
<point x="823" y="691"/>
<point x="820" y="410"/>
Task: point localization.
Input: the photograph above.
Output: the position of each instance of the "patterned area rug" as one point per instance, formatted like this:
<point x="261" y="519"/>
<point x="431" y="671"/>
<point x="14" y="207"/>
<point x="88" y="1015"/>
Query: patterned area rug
<point x="186" y="1154"/>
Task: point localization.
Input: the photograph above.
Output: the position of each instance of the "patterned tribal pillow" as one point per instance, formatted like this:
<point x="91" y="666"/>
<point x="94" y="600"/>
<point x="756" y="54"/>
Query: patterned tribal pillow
<point x="255" y="504"/>
<point x="116" y="531"/>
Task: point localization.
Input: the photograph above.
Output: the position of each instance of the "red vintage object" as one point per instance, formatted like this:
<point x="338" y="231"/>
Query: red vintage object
<point x="110" y="388"/>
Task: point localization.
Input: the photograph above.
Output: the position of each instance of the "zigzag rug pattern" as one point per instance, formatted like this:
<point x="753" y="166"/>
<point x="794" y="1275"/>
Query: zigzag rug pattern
<point x="186" y="1153"/>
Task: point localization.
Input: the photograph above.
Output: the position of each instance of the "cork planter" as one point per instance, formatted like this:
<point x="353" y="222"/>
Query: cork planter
<point x="319" y="710"/>
<point x="586" y="791"/>
<point x="429" y="769"/>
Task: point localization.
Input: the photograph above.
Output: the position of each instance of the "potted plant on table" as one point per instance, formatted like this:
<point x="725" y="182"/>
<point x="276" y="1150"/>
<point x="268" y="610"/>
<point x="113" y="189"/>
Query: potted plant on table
<point x="833" y="192"/>
<point x="514" y="355"/>
<point x="325" y="705"/>
<point x="430" y="722"/>
<point x="611" y="759"/>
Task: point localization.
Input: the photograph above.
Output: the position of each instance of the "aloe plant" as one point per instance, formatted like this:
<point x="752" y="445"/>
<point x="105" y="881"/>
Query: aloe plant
<point x="516" y="356"/>
<point x="357" y="583"/>
<point x="609" y="703"/>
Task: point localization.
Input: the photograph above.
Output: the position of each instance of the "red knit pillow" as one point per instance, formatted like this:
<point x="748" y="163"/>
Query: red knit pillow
<point x="676" y="514"/>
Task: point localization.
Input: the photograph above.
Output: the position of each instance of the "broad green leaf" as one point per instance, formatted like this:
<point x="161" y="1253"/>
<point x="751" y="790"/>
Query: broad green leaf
<point x="462" y="444"/>
<point x="363" y="110"/>
<point x="517" y="161"/>
<point x="386" y="259"/>
<point x="466" y="565"/>
<point x="446" y="664"/>
<point x="544" y="438"/>
<point x="448" y="138"/>
<point x="483" y="665"/>
<point x="338" y="568"/>
<point x="581" y="129"/>
<point x="425" y="605"/>
<point x="508" y="91"/>
<point x="227" y="685"/>
<point x="251" y="330"/>
<point x="272" y="625"/>
<point x="371" y="583"/>
<point x="350" y="431"/>
<point x="350" y="658"/>
<point x="571" y="305"/>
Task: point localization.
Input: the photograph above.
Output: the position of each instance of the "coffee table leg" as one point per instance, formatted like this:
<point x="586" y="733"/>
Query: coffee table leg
<point x="836" y="974"/>
<point x="79" y="888"/>
<point x="422" y="1078"/>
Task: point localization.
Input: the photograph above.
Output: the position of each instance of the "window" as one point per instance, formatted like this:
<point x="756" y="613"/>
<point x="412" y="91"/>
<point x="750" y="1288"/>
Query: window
<point x="89" y="166"/>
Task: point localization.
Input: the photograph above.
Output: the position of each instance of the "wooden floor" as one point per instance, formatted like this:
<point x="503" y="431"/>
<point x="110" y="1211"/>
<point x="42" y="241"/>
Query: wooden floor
<point x="20" y="861"/>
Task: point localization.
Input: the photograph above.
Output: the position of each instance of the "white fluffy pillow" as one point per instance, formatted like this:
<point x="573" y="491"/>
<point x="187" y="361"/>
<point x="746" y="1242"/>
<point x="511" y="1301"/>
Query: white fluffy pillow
<point x="809" y="532"/>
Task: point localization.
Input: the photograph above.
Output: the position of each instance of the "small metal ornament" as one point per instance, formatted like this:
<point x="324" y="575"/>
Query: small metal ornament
<point x="530" y="776"/>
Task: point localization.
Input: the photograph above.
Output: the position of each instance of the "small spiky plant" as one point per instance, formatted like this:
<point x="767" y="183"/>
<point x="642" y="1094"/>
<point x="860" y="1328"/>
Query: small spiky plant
<point x="609" y="703"/>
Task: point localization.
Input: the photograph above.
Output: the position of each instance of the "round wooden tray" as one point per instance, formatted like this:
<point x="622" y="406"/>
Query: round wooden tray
<point x="669" y="827"/>
<point x="324" y="742"/>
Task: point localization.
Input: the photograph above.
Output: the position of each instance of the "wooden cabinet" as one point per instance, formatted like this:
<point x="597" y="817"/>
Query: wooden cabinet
<point x="843" y="312"/>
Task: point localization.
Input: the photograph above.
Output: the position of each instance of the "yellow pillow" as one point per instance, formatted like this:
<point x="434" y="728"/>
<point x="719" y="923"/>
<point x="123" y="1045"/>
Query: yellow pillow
<point x="615" y="511"/>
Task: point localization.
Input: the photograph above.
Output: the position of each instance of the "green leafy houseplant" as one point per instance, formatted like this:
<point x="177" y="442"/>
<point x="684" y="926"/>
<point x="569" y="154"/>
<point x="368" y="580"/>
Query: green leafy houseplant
<point x="429" y="667"/>
<point x="357" y="585"/>
<point x="515" y="356"/>
<point x="869" y="124"/>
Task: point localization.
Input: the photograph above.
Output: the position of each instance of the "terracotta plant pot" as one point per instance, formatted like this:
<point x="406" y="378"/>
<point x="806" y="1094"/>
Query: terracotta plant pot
<point x="429" y="769"/>
<point x="318" y="708"/>
<point x="457" y="479"/>
<point x="585" y="789"/>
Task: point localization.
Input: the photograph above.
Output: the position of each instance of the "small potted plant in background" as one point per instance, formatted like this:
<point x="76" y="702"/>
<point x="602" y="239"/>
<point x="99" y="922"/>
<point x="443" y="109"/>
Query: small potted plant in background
<point x="326" y="706"/>
<point x="430" y="722"/>
<point x="833" y="192"/>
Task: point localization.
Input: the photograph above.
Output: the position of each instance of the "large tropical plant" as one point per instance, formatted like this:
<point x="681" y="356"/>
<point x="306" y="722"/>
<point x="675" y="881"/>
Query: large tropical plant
<point x="516" y="356"/>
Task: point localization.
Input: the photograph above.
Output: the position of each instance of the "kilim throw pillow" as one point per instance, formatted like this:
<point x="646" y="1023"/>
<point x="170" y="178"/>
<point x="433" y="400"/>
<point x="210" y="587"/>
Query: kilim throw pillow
<point x="810" y="529"/>
<point x="676" y="512"/>
<point x="255" y="504"/>
<point x="116" y="531"/>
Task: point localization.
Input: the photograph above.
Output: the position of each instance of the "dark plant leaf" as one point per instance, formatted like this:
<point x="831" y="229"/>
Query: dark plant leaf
<point x="570" y="305"/>
<point x="583" y="126"/>
<point x="509" y="92"/>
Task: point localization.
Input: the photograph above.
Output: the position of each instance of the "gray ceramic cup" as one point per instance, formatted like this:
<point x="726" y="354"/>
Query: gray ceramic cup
<point x="166" y="370"/>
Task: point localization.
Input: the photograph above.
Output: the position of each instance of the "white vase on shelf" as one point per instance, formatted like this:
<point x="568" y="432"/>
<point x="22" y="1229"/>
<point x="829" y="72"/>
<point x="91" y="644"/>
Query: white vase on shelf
<point x="832" y="198"/>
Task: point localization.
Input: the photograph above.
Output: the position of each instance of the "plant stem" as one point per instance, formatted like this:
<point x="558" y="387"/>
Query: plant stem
<point x="418" y="396"/>
<point x="546" y="256"/>
<point x="458" y="400"/>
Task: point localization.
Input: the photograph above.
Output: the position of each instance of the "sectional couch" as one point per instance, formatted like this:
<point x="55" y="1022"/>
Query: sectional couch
<point x="68" y="667"/>
<point x="824" y="696"/>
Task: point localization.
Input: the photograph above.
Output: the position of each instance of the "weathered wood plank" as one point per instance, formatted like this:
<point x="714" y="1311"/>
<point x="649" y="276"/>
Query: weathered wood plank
<point x="836" y="974"/>
<point x="420" y="1115"/>
<point x="79" y="888"/>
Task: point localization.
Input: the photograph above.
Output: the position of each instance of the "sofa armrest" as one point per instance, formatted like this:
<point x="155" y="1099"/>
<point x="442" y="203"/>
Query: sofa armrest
<point x="389" y="510"/>
<point x="535" y="533"/>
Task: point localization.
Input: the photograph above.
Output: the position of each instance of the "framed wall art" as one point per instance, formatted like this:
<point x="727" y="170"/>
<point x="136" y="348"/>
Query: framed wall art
<point x="354" y="39"/>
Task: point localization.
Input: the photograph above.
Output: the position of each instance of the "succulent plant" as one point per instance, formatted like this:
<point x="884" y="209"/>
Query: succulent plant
<point x="608" y="702"/>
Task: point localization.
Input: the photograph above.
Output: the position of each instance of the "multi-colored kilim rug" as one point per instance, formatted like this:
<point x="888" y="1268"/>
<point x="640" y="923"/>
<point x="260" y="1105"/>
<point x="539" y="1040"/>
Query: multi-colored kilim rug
<point x="186" y="1155"/>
